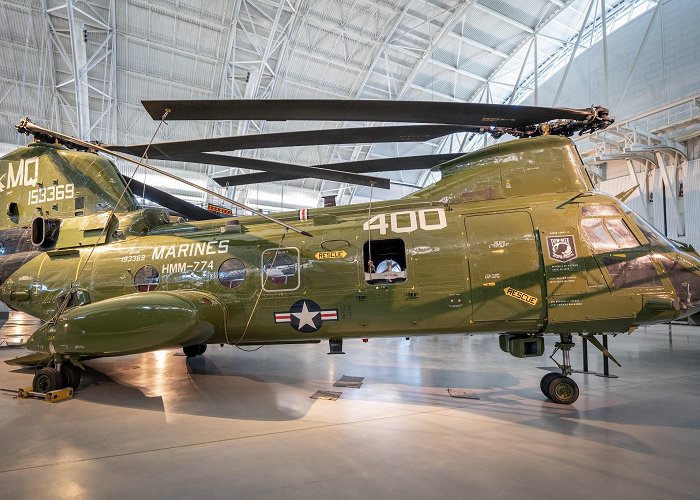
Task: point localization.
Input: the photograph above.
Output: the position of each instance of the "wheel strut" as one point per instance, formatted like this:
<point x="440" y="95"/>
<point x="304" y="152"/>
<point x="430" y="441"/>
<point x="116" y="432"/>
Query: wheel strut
<point x="564" y="345"/>
<point x="561" y="388"/>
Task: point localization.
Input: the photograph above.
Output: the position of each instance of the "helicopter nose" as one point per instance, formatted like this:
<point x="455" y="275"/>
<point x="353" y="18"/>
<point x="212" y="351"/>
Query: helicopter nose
<point x="683" y="270"/>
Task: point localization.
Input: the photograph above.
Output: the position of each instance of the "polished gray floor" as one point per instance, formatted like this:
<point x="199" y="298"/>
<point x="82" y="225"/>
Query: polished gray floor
<point x="236" y="424"/>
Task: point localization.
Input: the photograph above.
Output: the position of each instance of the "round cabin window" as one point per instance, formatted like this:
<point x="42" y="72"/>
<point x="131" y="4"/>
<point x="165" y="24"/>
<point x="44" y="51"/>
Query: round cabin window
<point x="231" y="273"/>
<point x="146" y="279"/>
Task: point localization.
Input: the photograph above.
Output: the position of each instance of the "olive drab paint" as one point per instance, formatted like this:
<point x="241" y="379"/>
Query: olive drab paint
<point x="512" y="239"/>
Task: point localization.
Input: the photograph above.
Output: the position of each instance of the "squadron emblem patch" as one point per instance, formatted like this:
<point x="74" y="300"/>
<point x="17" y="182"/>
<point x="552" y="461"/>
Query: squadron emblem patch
<point x="561" y="248"/>
<point x="306" y="316"/>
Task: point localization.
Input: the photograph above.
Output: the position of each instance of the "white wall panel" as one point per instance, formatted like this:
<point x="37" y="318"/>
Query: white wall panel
<point x="690" y="202"/>
<point x="666" y="69"/>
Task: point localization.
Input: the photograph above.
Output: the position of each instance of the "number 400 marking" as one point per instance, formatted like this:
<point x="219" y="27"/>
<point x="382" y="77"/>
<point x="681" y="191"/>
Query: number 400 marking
<point x="408" y="221"/>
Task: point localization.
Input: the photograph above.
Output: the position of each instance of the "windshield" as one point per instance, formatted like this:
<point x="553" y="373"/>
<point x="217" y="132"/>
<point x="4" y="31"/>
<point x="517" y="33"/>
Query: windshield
<point x="655" y="237"/>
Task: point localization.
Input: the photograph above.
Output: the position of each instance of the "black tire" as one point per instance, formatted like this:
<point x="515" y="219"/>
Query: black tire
<point x="47" y="379"/>
<point x="544" y="383"/>
<point x="192" y="350"/>
<point x="71" y="375"/>
<point x="202" y="349"/>
<point x="563" y="390"/>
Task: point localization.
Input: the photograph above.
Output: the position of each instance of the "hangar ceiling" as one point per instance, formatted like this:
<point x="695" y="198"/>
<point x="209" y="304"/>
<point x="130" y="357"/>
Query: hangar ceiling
<point x="83" y="68"/>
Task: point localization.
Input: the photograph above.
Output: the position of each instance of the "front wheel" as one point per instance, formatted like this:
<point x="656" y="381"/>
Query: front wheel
<point x="563" y="390"/>
<point x="47" y="379"/>
<point x="544" y="383"/>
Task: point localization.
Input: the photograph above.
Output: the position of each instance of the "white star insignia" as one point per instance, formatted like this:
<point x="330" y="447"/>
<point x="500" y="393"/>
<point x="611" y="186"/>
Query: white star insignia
<point x="306" y="317"/>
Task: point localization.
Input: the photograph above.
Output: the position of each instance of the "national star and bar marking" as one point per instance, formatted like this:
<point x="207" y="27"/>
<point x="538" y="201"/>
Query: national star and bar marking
<point x="306" y="316"/>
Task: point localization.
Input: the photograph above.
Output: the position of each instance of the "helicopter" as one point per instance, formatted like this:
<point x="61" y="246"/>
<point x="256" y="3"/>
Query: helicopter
<point x="511" y="241"/>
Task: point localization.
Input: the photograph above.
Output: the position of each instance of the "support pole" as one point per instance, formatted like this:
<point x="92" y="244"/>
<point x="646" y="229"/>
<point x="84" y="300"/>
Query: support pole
<point x="78" y="38"/>
<point x="606" y="368"/>
<point x="584" y="346"/>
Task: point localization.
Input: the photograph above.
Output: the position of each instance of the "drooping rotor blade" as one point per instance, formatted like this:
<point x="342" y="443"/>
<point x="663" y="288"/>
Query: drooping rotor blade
<point x="453" y="113"/>
<point x="403" y="133"/>
<point x="27" y="127"/>
<point x="376" y="165"/>
<point x="192" y="212"/>
<point x="318" y="172"/>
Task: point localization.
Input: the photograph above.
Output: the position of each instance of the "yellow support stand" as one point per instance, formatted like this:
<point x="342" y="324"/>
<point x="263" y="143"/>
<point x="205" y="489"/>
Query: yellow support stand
<point x="51" y="396"/>
<point x="59" y="395"/>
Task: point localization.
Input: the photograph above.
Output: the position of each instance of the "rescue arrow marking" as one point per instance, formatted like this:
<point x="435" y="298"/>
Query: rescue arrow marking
<point x="517" y="294"/>
<point x="335" y="254"/>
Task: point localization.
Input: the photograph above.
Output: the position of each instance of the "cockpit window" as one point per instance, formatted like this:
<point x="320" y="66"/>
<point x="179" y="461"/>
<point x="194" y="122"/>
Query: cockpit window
<point x="607" y="235"/>
<point x="621" y="233"/>
<point x="599" y="211"/>
<point x="632" y="273"/>
<point x="599" y="238"/>
<point x="656" y="239"/>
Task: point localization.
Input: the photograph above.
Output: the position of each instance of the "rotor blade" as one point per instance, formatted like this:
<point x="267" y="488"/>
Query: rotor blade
<point x="403" y="133"/>
<point x="455" y="113"/>
<point x="27" y="127"/>
<point x="192" y="212"/>
<point x="318" y="172"/>
<point x="376" y="165"/>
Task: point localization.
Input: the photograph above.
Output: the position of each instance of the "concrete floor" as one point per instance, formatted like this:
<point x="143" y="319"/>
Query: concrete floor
<point x="234" y="424"/>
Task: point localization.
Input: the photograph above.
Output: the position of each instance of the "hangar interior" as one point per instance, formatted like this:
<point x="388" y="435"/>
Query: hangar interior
<point x="242" y="424"/>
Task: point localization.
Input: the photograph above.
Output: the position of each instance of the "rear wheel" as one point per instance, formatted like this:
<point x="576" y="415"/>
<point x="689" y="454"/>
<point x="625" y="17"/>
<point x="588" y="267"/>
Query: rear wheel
<point x="47" y="379"/>
<point x="71" y="375"/>
<point x="194" y="350"/>
<point x="563" y="390"/>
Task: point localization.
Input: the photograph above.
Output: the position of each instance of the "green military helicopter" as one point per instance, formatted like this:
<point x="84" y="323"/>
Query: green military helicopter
<point x="512" y="240"/>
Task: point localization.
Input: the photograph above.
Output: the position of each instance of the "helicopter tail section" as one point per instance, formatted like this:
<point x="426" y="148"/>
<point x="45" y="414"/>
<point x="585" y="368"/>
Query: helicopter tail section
<point x="130" y="324"/>
<point x="45" y="180"/>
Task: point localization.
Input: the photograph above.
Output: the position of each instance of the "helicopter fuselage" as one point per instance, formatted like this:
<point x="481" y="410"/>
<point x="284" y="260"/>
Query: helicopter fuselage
<point x="474" y="268"/>
<point x="512" y="239"/>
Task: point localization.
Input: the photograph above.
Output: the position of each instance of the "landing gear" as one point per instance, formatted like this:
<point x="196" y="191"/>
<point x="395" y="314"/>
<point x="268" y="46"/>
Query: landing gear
<point x="194" y="350"/>
<point x="544" y="383"/>
<point x="559" y="387"/>
<point x="71" y="375"/>
<point x="47" y="379"/>
<point x="59" y="374"/>
<point x="562" y="390"/>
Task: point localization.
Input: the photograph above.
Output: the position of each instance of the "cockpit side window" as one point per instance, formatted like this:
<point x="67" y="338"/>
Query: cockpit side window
<point x="608" y="234"/>
<point x="599" y="211"/>
<point x="599" y="238"/>
<point x="638" y="272"/>
<point x="621" y="234"/>
<point x="656" y="239"/>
